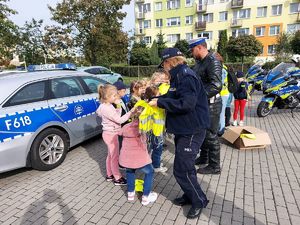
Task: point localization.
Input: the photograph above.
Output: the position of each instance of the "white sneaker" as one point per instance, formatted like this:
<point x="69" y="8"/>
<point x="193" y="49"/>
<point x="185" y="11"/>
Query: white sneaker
<point x="130" y="196"/>
<point x="150" y="198"/>
<point x="241" y="123"/>
<point x="234" y="123"/>
<point x="161" y="169"/>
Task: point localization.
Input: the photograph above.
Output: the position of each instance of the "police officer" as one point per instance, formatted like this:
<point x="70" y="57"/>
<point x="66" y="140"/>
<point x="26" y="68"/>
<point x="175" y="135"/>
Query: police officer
<point x="187" y="118"/>
<point x="209" y="69"/>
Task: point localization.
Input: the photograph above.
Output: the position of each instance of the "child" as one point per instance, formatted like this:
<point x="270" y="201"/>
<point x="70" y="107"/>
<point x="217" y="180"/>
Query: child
<point x="137" y="90"/>
<point x="240" y="99"/>
<point x="111" y="122"/>
<point x="134" y="156"/>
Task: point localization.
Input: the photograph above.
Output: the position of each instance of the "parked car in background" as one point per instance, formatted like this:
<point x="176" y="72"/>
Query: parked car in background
<point x="103" y="73"/>
<point x="44" y="113"/>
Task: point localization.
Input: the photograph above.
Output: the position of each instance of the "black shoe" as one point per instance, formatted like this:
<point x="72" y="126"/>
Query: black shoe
<point x="181" y="201"/>
<point x="194" y="213"/>
<point x="209" y="170"/>
<point x="121" y="181"/>
<point x="110" y="178"/>
<point x="201" y="161"/>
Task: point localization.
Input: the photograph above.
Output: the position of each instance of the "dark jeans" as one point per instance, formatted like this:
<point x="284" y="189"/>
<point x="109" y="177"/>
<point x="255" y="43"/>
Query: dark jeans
<point x="156" y="145"/>
<point x="210" y="149"/>
<point x="148" y="179"/>
<point x="227" y="116"/>
<point x="186" y="149"/>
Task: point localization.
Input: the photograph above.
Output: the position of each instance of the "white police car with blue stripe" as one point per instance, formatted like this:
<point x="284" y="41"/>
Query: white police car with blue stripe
<point x="44" y="113"/>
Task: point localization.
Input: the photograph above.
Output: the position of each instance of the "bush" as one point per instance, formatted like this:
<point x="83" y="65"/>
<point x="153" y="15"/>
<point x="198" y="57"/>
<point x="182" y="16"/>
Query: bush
<point x="135" y="71"/>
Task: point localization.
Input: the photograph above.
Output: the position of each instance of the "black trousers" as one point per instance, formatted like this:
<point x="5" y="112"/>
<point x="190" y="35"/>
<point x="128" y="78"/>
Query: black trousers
<point x="210" y="149"/>
<point x="227" y="116"/>
<point x="186" y="149"/>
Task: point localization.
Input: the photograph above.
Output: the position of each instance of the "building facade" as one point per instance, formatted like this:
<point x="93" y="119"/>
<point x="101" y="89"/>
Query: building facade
<point x="189" y="19"/>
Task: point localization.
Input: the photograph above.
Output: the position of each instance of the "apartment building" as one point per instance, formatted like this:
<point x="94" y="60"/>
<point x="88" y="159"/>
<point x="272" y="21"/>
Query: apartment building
<point x="188" y="19"/>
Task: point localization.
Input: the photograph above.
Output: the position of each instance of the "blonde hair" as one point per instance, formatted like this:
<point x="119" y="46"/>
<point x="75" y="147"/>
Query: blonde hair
<point x="176" y="60"/>
<point x="157" y="75"/>
<point x="105" y="91"/>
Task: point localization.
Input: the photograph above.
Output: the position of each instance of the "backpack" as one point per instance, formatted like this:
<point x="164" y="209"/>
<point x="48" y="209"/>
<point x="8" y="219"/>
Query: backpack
<point x="232" y="82"/>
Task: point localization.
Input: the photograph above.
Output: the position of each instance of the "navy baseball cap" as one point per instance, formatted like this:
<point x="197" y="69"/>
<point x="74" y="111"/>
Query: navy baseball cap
<point x="169" y="53"/>
<point x="120" y="85"/>
<point x="195" y="42"/>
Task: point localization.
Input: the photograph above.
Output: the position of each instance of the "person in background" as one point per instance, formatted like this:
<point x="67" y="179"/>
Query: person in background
<point x="240" y="99"/>
<point x="121" y="89"/>
<point x="228" y="110"/>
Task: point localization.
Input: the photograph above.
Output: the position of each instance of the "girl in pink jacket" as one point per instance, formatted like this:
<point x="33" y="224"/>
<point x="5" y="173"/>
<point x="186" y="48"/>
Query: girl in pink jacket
<point x="111" y="122"/>
<point x="134" y="156"/>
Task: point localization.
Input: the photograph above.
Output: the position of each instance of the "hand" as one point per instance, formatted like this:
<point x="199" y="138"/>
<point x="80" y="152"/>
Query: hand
<point x="153" y="102"/>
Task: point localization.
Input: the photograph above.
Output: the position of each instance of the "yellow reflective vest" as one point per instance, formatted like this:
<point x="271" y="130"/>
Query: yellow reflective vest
<point x="225" y="90"/>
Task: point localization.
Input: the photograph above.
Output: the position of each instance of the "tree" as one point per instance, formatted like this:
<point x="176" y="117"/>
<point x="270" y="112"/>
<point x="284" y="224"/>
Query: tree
<point x="222" y="44"/>
<point x="244" y="46"/>
<point x="96" y="28"/>
<point x="295" y="43"/>
<point x="183" y="46"/>
<point x="161" y="44"/>
<point x="139" y="54"/>
<point x="283" y="48"/>
<point x="153" y="51"/>
<point x="8" y="32"/>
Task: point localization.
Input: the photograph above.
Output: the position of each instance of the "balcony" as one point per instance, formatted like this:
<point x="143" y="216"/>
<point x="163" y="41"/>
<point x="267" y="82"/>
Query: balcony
<point x="201" y="25"/>
<point x="237" y="4"/>
<point x="140" y="15"/>
<point x="139" y="32"/>
<point x="236" y="22"/>
<point x="200" y="8"/>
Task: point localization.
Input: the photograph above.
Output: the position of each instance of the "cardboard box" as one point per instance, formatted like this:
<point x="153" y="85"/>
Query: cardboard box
<point x="259" y="139"/>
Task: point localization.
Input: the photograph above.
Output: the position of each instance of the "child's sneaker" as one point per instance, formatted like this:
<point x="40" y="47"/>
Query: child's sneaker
<point x="241" y="123"/>
<point x="121" y="181"/>
<point x="161" y="169"/>
<point x="130" y="196"/>
<point x="150" y="198"/>
<point x="234" y="123"/>
<point x="110" y="178"/>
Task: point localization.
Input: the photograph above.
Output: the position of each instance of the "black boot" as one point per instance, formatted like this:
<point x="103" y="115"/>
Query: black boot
<point x="181" y="201"/>
<point x="194" y="213"/>
<point x="201" y="161"/>
<point x="209" y="170"/>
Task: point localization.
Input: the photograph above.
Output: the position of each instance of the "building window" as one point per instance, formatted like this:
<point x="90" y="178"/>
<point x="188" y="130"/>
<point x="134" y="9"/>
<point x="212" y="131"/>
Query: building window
<point x="276" y="10"/>
<point x="208" y="17"/>
<point x="158" y="6"/>
<point x="262" y="11"/>
<point x="147" y="7"/>
<point x="205" y="34"/>
<point x="294" y="7"/>
<point x="293" y="28"/>
<point x="147" y="23"/>
<point x="274" y="30"/>
<point x="242" y="14"/>
<point x="147" y="40"/>
<point x="271" y="49"/>
<point x="240" y="32"/>
<point x="173" y="38"/>
<point x="188" y="19"/>
<point x="189" y="3"/>
<point x="159" y="23"/>
<point x="189" y="36"/>
<point x="260" y="31"/>
<point x="223" y="16"/>
<point x="174" y="21"/>
<point x="173" y="4"/>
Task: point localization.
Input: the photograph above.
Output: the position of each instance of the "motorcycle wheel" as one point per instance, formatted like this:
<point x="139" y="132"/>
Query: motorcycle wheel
<point x="263" y="109"/>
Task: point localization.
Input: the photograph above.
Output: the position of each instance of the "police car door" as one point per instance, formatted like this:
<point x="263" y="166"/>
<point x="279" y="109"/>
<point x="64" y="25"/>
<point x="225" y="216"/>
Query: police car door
<point x="71" y="105"/>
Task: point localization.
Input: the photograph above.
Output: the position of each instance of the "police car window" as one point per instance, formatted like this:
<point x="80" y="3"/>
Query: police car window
<point x="65" y="87"/>
<point x="92" y="83"/>
<point x="30" y="93"/>
<point x="105" y="71"/>
<point x="93" y="71"/>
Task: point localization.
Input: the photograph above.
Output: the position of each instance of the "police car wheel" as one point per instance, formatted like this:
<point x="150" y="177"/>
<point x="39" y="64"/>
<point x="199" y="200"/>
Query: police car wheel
<point x="49" y="149"/>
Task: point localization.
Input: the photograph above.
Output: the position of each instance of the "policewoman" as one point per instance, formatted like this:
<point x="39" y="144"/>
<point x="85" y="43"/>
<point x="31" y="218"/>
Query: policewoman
<point x="187" y="118"/>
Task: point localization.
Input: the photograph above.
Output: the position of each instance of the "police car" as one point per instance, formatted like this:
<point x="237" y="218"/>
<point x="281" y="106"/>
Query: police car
<point x="103" y="73"/>
<point x="44" y="113"/>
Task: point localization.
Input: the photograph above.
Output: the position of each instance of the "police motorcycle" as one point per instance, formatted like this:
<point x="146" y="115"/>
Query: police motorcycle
<point x="255" y="76"/>
<point x="281" y="88"/>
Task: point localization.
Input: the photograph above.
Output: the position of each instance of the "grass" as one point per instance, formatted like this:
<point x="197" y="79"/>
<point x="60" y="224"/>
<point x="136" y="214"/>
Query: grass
<point x="128" y="80"/>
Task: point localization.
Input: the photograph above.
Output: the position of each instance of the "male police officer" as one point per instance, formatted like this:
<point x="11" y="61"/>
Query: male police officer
<point x="187" y="118"/>
<point x="209" y="69"/>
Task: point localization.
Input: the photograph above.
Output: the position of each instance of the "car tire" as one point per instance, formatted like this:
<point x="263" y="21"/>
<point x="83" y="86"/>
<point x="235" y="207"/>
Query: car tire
<point x="49" y="149"/>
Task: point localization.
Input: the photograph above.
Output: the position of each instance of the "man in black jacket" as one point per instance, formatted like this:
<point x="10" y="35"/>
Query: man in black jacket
<point x="209" y="69"/>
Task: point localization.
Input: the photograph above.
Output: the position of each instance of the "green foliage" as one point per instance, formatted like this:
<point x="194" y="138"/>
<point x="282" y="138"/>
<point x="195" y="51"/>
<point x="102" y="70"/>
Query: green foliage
<point x="154" y="58"/>
<point x="161" y="44"/>
<point x="135" y="71"/>
<point x="96" y="27"/>
<point x="295" y="43"/>
<point x="222" y="44"/>
<point x="140" y="54"/>
<point x="246" y="45"/>
<point x="183" y="46"/>
<point x="283" y="48"/>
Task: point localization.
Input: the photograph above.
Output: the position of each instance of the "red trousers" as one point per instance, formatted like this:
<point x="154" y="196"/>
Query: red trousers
<point x="239" y="105"/>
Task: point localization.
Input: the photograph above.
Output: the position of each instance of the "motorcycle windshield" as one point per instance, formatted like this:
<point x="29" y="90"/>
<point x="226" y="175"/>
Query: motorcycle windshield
<point x="279" y="71"/>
